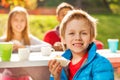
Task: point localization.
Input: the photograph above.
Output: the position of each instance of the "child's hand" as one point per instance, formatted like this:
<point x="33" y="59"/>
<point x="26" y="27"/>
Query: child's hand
<point x="58" y="46"/>
<point x="55" y="68"/>
<point x="16" y="45"/>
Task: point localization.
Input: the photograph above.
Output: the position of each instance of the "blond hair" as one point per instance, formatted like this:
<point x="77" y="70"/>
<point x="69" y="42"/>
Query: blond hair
<point x="78" y="14"/>
<point x="9" y="32"/>
<point x="63" y="5"/>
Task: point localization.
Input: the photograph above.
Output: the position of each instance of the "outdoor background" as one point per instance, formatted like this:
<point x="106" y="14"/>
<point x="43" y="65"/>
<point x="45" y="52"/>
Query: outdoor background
<point x="42" y="15"/>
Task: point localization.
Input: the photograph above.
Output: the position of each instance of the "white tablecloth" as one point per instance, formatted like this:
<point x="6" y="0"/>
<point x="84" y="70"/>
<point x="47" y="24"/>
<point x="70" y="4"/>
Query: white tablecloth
<point x="35" y="59"/>
<point x="108" y="54"/>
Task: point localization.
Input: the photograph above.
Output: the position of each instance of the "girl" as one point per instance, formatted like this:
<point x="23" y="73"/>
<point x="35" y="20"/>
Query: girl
<point x="17" y="32"/>
<point x="77" y="31"/>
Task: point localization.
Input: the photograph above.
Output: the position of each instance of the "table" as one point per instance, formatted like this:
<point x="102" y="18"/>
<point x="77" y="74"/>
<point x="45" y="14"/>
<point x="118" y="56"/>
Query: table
<point x="114" y="58"/>
<point x="35" y="66"/>
<point x="35" y="59"/>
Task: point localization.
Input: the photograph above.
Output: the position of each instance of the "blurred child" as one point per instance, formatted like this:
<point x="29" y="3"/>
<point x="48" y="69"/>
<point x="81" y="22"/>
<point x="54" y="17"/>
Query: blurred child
<point x="52" y="36"/>
<point x="18" y="33"/>
<point x="77" y="31"/>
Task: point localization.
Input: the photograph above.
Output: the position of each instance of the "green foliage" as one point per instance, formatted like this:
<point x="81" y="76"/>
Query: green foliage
<point x="3" y="20"/>
<point x="114" y="6"/>
<point x="40" y="24"/>
<point x="108" y="26"/>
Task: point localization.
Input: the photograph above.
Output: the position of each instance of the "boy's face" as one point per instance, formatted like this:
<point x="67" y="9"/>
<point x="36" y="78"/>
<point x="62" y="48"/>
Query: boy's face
<point x="77" y="35"/>
<point x="18" y="22"/>
<point x="62" y="13"/>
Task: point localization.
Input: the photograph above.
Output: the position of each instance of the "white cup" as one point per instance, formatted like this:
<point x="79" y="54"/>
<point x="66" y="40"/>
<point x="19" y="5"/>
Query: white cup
<point x="46" y="51"/>
<point x="23" y="54"/>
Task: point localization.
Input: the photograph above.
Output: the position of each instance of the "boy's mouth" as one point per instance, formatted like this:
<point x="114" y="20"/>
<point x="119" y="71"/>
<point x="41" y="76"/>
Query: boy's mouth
<point x="77" y="44"/>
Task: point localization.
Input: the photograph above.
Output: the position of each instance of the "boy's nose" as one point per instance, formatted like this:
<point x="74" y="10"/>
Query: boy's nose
<point x="77" y="37"/>
<point x="19" y="22"/>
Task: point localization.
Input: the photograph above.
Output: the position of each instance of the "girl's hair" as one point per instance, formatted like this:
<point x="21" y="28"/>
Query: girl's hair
<point x="78" y="14"/>
<point x="63" y="5"/>
<point x="9" y="32"/>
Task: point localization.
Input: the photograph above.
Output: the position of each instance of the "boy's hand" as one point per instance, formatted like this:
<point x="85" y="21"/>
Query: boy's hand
<point x="55" y="69"/>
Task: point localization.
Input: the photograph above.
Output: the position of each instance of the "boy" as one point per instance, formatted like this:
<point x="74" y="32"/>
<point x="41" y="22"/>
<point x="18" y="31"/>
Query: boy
<point x="52" y="36"/>
<point x="77" y="31"/>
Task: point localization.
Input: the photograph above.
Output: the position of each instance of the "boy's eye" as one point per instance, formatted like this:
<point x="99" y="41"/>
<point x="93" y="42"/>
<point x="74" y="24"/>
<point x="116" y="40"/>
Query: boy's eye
<point x="84" y="33"/>
<point x="71" y="33"/>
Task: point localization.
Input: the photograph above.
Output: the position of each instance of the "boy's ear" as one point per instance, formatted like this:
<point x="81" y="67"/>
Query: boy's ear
<point x="91" y="40"/>
<point x="63" y="41"/>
